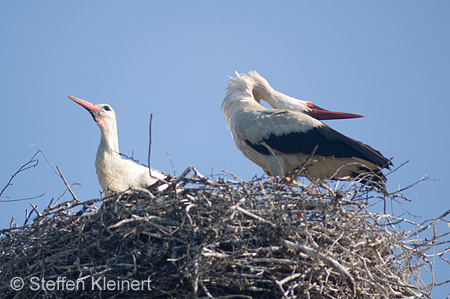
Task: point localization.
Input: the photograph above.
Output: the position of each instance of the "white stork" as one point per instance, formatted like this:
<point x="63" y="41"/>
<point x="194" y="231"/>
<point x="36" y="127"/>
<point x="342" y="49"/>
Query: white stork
<point x="114" y="173"/>
<point x="284" y="138"/>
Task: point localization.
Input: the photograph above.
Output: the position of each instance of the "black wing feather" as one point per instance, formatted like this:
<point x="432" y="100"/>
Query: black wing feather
<point x="329" y="142"/>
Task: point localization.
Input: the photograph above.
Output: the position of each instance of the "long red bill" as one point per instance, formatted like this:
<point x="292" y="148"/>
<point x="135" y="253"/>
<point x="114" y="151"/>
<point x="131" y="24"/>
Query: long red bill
<point x="323" y="114"/>
<point x="88" y="105"/>
<point x="93" y="109"/>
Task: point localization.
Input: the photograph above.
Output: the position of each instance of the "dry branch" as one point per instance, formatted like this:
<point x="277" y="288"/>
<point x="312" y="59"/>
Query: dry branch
<point x="33" y="162"/>
<point x="150" y="145"/>
<point x="67" y="185"/>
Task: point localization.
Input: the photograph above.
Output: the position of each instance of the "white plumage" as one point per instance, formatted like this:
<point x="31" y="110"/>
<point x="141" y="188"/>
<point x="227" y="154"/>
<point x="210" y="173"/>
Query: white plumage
<point x="114" y="173"/>
<point x="281" y="139"/>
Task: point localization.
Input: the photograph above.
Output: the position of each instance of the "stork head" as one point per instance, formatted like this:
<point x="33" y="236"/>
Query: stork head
<point x="263" y="91"/>
<point x="103" y="114"/>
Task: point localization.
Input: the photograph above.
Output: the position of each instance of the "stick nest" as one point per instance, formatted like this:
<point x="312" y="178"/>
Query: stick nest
<point x="201" y="238"/>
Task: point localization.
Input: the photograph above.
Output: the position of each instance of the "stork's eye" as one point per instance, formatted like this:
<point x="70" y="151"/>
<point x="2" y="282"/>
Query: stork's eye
<point x="106" y="108"/>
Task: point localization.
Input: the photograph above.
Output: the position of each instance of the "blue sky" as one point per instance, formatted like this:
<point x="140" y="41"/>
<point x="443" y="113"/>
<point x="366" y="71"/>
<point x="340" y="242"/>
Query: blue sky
<point x="387" y="60"/>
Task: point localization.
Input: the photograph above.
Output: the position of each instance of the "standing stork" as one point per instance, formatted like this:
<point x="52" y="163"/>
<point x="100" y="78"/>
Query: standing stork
<point x="114" y="173"/>
<point x="284" y="138"/>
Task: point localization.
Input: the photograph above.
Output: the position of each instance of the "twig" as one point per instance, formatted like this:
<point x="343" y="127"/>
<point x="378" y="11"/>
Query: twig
<point x="22" y="199"/>
<point x="429" y="225"/>
<point x="254" y="216"/>
<point x="45" y="157"/>
<point x="397" y="168"/>
<point x="171" y="162"/>
<point x="150" y="145"/>
<point x="296" y="171"/>
<point x="332" y="262"/>
<point x="132" y="159"/>
<point x="30" y="164"/>
<point x="67" y="185"/>
<point x="35" y="208"/>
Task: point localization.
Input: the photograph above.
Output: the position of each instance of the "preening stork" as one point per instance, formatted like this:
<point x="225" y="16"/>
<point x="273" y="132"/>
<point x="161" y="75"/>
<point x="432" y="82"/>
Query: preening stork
<point x="284" y="138"/>
<point x="114" y="173"/>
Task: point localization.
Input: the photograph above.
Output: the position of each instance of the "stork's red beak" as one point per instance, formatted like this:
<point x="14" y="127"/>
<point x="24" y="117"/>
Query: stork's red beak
<point x="322" y="114"/>
<point x="93" y="109"/>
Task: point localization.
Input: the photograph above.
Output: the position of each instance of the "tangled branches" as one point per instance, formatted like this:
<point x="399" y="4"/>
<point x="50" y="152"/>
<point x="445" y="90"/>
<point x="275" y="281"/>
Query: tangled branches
<point x="218" y="239"/>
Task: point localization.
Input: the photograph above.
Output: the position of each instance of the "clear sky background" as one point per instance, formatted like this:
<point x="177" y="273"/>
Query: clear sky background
<point x="387" y="60"/>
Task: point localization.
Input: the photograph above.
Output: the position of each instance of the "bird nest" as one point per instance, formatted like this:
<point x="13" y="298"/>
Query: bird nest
<point x="205" y="238"/>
